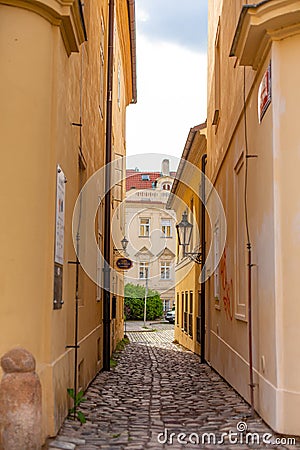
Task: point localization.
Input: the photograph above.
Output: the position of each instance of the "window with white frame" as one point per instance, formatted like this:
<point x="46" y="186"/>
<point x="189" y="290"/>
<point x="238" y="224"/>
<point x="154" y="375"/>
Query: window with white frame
<point x="144" y="226"/>
<point x="166" y="186"/>
<point x="166" y="227"/>
<point x="165" y="270"/>
<point x="166" y="305"/>
<point x="144" y="270"/>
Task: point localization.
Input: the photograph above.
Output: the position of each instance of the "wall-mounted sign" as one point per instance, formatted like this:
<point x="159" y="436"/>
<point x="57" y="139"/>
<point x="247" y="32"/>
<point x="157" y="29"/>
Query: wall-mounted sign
<point x="58" y="287"/>
<point x="60" y="217"/>
<point x="124" y="263"/>
<point x="264" y="93"/>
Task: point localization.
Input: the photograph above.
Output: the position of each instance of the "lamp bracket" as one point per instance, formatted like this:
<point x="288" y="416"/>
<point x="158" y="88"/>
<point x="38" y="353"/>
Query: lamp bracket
<point x="194" y="256"/>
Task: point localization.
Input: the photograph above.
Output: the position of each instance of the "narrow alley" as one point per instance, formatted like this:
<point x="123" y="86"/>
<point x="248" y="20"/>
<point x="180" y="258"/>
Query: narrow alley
<point x="160" y="396"/>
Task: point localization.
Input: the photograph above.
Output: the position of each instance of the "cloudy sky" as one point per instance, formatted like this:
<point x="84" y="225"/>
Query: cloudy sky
<point x="171" y="78"/>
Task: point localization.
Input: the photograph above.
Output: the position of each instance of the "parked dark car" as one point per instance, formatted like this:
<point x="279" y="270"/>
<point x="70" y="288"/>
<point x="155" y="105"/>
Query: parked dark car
<point x="170" y="316"/>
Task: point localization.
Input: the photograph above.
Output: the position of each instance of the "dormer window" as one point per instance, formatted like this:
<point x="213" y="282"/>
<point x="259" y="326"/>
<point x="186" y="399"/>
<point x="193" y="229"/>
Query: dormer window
<point x="145" y="177"/>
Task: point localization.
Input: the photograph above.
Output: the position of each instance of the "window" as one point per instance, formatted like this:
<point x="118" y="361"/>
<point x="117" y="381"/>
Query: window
<point x="177" y="308"/>
<point x="190" y="331"/>
<point x="80" y="375"/>
<point x="240" y="239"/>
<point x="185" y="312"/>
<point x="166" y="305"/>
<point x="191" y="302"/>
<point x="216" y="262"/>
<point x="144" y="227"/>
<point x="192" y="215"/>
<point x="198" y="324"/>
<point x="145" y="177"/>
<point x="144" y="271"/>
<point x="119" y="84"/>
<point x="166" y="186"/>
<point x="166" y="227"/>
<point x="102" y="77"/>
<point x="182" y="309"/>
<point x="99" y="349"/>
<point x="217" y="78"/>
<point x="114" y="307"/>
<point x="165" y="271"/>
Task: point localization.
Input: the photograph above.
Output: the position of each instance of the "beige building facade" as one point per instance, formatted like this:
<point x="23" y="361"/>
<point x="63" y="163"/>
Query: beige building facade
<point x="150" y="230"/>
<point x="251" y="294"/>
<point x="185" y="198"/>
<point x="253" y="161"/>
<point x="53" y="122"/>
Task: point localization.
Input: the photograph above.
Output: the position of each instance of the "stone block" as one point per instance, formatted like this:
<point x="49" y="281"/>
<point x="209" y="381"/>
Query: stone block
<point x="20" y="402"/>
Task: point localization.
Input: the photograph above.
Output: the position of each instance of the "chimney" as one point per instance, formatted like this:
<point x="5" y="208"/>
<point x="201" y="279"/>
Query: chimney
<point x="165" y="167"/>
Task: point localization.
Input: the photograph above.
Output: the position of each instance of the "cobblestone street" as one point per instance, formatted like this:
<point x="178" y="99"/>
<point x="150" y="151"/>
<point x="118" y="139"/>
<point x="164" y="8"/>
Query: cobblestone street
<point x="156" y="389"/>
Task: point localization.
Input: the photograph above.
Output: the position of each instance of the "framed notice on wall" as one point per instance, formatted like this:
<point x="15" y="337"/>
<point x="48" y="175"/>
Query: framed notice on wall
<point x="60" y="217"/>
<point x="264" y="93"/>
<point x="59" y="238"/>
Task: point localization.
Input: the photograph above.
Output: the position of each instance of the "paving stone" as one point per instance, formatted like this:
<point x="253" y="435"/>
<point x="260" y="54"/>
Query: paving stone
<point x="72" y="440"/>
<point x="156" y="388"/>
<point x="60" y="445"/>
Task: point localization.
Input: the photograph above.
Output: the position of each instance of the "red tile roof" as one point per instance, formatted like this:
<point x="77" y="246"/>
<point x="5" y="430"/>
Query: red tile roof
<point x="134" y="179"/>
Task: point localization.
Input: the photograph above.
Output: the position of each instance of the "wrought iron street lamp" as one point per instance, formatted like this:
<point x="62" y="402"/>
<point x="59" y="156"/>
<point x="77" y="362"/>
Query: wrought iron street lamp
<point x="184" y="233"/>
<point x="124" y="243"/>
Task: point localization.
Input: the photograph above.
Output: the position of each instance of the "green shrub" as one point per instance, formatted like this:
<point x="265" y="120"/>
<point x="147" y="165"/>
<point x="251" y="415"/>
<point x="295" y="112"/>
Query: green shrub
<point x="134" y="303"/>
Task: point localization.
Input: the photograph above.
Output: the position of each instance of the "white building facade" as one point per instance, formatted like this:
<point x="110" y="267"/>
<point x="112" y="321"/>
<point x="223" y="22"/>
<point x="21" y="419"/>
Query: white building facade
<point x="150" y="230"/>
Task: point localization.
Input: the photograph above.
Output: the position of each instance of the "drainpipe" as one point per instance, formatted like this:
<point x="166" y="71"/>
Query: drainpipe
<point x="107" y="199"/>
<point x="252" y="385"/>
<point x="203" y="254"/>
<point x="249" y="250"/>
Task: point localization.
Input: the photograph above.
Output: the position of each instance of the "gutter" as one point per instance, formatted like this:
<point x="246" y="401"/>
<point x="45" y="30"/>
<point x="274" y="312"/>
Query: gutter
<point x="132" y="32"/>
<point x="82" y="20"/>
<point x="107" y="198"/>
<point x="243" y="14"/>
<point x="203" y="261"/>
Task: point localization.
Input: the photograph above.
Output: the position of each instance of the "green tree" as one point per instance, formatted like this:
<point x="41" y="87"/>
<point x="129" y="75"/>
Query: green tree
<point x="134" y="303"/>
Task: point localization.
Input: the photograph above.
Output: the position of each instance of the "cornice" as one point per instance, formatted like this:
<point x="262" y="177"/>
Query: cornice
<point x="65" y="14"/>
<point x="261" y="24"/>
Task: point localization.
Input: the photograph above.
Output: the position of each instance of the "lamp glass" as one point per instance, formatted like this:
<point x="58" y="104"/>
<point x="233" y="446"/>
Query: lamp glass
<point x="124" y="243"/>
<point x="184" y="231"/>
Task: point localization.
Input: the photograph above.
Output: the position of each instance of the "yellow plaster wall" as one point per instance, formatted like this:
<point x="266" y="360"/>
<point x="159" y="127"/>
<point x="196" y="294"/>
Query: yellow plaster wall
<point x="273" y="213"/>
<point x="187" y="273"/>
<point x="40" y="92"/>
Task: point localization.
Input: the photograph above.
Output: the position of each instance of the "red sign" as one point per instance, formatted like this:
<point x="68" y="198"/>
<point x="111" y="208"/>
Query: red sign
<point x="264" y="93"/>
<point x="124" y="263"/>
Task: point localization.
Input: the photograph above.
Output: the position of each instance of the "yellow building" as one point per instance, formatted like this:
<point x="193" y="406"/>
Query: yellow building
<point x="185" y="198"/>
<point x="253" y="161"/>
<point x="251" y="259"/>
<point x="53" y="125"/>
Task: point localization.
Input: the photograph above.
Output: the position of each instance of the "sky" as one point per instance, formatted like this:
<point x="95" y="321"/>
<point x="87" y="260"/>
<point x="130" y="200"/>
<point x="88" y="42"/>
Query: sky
<point x="171" y="79"/>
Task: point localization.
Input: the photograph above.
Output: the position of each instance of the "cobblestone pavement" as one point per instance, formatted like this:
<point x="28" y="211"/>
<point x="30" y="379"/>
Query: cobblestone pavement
<point x="133" y="325"/>
<point x="158" y="389"/>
